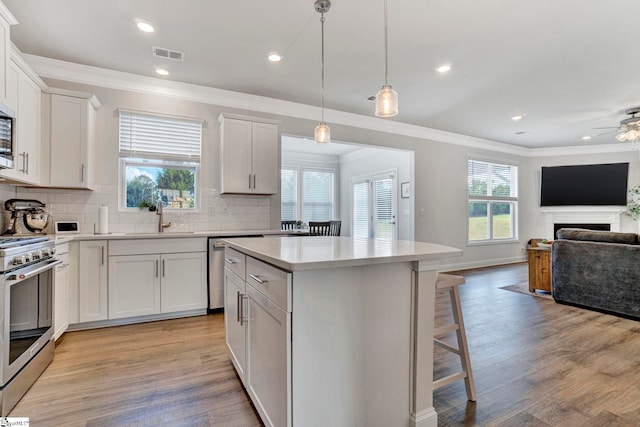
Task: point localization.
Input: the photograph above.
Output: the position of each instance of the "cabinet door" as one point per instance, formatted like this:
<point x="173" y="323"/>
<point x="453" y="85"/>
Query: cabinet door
<point x="92" y="278"/>
<point x="134" y="285"/>
<point x="268" y="358"/>
<point x="235" y="157"/>
<point x="61" y="298"/>
<point x="234" y="328"/>
<point x="28" y="130"/>
<point x="184" y="281"/>
<point x="265" y="154"/>
<point x="13" y="78"/>
<point x="70" y="139"/>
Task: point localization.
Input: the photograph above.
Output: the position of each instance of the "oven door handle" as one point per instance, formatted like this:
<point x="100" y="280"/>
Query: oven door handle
<point x="32" y="273"/>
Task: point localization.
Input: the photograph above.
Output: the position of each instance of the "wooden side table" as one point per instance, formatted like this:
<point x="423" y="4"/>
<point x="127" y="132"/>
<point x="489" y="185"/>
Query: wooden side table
<point x="539" y="269"/>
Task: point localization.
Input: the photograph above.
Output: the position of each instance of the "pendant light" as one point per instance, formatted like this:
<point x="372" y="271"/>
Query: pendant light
<point x="322" y="132"/>
<point x="386" y="98"/>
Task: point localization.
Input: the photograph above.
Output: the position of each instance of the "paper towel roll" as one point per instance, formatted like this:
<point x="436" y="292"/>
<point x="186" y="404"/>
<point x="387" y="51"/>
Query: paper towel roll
<point x="103" y="220"/>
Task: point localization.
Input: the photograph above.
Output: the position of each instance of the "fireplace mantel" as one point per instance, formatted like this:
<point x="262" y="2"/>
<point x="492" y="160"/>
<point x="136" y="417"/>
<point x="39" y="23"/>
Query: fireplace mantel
<point x="582" y="215"/>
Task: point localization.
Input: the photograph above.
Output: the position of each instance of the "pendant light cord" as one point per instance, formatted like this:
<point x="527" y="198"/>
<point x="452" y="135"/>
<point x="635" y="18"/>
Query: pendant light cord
<point x="322" y="61"/>
<point x="386" y="47"/>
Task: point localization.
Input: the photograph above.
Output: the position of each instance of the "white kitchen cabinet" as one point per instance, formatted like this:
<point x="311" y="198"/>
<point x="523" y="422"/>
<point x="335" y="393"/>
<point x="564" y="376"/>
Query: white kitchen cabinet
<point x="234" y="297"/>
<point x="157" y="276"/>
<point x="134" y="285"/>
<point x="72" y="139"/>
<point x="24" y="97"/>
<point x="92" y="281"/>
<point x="6" y="21"/>
<point x="183" y="282"/>
<point x="61" y="292"/>
<point x="249" y="155"/>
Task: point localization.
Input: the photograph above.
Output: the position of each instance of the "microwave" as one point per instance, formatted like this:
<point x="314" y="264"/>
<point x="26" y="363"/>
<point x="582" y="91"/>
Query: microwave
<point x="7" y="136"/>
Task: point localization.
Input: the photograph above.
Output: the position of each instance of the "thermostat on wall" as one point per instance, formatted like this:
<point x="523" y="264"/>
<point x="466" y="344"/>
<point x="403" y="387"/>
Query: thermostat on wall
<point x="67" y="227"/>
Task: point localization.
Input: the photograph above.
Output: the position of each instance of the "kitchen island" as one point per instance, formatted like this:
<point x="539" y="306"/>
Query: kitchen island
<point x="334" y="330"/>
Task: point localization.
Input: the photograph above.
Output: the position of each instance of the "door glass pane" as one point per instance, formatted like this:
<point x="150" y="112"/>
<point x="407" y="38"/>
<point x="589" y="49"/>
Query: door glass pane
<point x="361" y="209"/>
<point x="383" y="215"/>
<point x="502" y="217"/>
<point x="478" y="221"/>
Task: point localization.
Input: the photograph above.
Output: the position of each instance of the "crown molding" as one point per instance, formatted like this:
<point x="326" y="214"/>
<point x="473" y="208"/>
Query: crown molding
<point x="7" y="15"/>
<point x="16" y="56"/>
<point x="101" y="77"/>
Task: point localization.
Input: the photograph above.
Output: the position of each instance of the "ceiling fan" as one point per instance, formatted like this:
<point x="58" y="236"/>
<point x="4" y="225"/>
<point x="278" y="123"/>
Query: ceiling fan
<point x="629" y="128"/>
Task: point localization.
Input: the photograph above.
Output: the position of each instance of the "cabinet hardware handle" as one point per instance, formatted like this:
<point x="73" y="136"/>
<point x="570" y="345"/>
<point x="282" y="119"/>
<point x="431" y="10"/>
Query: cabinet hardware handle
<point x="249" y="181"/>
<point x="258" y="279"/>
<point x="254" y="181"/>
<point x="26" y="156"/>
<point x="243" y="319"/>
<point x="162" y="268"/>
<point x="230" y="261"/>
<point x="238" y="306"/>
<point x="157" y="268"/>
<point x="82" y="173"/>
<point x="102" y="254"/>
<point x="24" y="168"/>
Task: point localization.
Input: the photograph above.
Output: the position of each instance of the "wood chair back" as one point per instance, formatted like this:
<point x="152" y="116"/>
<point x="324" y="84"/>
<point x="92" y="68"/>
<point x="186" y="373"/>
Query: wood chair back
<point x="319" y="228"/>
<point x="288" y="225"/>
<point x="335" y="228"/>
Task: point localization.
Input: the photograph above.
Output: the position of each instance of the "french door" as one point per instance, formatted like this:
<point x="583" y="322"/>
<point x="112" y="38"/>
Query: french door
<point x="374" y="205"/>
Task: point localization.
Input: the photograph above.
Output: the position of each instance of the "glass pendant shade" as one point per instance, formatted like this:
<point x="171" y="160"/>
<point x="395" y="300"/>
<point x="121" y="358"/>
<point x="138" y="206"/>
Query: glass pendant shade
<point x="323" y="133"/>
<point x="386" y="102"/>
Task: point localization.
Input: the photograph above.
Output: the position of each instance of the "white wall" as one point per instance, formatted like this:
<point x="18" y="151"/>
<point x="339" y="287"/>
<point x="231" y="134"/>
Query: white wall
<point x="369" y="162"/>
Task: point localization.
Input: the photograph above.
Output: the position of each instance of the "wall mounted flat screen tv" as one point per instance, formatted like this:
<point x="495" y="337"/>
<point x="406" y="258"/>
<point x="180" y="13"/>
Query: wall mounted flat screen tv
<point x="588" y="185"/>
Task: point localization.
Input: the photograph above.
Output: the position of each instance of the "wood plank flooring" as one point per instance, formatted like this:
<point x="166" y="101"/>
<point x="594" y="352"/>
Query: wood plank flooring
<point x="536" y="363"/>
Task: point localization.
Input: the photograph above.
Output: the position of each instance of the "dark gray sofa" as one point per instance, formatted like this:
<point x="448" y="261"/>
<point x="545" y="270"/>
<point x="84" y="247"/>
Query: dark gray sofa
<point x="598" y="270"/>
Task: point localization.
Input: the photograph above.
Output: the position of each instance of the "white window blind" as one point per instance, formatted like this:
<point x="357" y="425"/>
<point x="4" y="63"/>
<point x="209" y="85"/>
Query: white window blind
<point x="317" y="195"/>
<point x="160" y="137"/>
<point x="289" y="194"/>
<point x="383" y="208"/>
<point x="361" y="209"/>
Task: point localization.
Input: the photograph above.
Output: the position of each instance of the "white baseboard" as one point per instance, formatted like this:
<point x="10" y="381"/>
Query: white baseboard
<point x="425" y="418"/>
<point x="483" y="263"/>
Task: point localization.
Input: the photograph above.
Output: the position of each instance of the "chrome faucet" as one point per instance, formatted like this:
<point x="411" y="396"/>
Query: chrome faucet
<point x="161" y="225"/>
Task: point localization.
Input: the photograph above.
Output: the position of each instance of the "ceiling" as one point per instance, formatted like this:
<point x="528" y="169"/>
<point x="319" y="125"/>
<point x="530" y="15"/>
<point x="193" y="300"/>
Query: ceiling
<point x="569" y="66"/>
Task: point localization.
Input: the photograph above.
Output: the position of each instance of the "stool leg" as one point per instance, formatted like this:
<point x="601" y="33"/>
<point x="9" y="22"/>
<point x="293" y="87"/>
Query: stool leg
<point x="462" y="342"/>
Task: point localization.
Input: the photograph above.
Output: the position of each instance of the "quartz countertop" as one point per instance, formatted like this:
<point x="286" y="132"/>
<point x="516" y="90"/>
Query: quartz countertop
<point x="61" y="238"/>
<point x="309" y="253"/>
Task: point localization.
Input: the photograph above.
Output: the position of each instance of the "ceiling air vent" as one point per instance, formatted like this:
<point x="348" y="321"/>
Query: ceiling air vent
<point x="161" y="52"/>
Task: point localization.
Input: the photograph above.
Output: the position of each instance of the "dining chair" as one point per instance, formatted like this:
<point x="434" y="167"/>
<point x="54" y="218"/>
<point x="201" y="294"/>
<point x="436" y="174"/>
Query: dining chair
<point x="288" y="225"/>
<point x="319" y="228"/>
<point x="335" y="228"/>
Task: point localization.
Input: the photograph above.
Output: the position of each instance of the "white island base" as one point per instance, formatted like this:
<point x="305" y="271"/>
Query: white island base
<point x="356" y="344"/>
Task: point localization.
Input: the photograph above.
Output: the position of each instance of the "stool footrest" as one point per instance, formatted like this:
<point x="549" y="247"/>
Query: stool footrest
<point x="449" y="379"/>
<point x="440" y="330"/>
<point x="447" y="346"/>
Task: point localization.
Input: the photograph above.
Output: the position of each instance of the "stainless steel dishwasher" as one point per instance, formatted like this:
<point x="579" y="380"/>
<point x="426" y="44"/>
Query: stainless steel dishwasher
<point x="216" y="272"/>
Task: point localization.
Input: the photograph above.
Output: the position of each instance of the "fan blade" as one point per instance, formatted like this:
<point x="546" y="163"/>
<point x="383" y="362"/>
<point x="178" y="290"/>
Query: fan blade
<point x="607" y="127"/>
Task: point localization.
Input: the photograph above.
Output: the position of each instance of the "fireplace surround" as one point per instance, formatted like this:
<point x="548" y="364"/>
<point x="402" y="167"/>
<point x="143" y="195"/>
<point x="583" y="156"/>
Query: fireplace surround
<point x="591" y="217"/>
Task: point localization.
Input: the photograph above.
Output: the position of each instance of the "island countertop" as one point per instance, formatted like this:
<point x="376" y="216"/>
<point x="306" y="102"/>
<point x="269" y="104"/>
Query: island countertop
<point x="316" y="252"/>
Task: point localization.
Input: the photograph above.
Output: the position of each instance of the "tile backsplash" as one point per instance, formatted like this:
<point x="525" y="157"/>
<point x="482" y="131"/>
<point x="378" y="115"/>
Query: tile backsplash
<point x="217" y="213"/>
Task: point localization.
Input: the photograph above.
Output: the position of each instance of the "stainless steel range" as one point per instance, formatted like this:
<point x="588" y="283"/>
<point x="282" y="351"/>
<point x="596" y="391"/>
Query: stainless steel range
<point x="26" y="324"/>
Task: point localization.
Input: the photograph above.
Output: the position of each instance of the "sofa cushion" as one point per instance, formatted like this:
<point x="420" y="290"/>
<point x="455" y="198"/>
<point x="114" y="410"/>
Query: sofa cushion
<point x="597" y="236"/>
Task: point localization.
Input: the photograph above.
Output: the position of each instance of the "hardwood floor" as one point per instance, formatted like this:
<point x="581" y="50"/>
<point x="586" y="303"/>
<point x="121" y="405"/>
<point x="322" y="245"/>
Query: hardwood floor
<point x="535" y="362"/>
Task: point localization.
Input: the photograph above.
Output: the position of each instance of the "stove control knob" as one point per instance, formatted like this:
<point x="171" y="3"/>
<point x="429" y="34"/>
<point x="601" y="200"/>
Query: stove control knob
<point x="46" y="252"/>
<point x="53" y="251"/>
<point x="27" y="257"/>
<point x="19" y="260"/>
<point x="36" y="255"/>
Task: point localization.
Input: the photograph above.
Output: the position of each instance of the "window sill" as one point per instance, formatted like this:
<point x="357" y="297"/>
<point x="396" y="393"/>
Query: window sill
<point x="492" y="242"/>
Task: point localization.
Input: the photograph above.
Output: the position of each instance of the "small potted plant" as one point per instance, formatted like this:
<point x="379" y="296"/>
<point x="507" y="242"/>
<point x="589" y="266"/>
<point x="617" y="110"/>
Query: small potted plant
<point x="146" y="205"/>
<point x="633" y="202"/>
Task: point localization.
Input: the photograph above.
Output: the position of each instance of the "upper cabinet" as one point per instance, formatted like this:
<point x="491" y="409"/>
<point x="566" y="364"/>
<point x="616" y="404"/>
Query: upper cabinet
<point x="72" y="126"/>
<point x="23" y="95"/>
<point x="249" y="154"/>
<point x="6" y="21"/>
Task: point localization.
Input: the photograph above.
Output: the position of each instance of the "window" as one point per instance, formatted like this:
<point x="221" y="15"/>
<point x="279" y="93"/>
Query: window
<point x="492" y="201"/>
<point x="159" y="158"/>
<point x="307" y="194"/>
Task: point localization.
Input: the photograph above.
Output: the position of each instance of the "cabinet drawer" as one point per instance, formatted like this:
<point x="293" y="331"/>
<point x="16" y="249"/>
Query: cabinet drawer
<point x="272" y="282"/>
<point x="235" y="261"/>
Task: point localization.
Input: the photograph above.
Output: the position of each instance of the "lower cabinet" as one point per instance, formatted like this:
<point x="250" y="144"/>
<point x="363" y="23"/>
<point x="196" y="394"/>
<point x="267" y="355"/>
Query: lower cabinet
<point x="258" y="334"/>
<point x="92" y="281"/>
<point x="150" y="284"/>
<point x="61" y="292"/>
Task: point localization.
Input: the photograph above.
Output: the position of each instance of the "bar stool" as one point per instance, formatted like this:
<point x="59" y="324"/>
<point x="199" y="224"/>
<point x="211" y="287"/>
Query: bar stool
<point x="450" y="283"/>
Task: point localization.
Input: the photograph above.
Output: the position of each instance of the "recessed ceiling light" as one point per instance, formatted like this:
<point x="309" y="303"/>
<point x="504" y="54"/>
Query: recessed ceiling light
<point x="145" y="26"/>
<point x="274" y="57"/>
<point x="162" y="71"/>
<point x="586" y="137"/>
<point x="444" y="68"/>
<point x="517" y="117"/>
